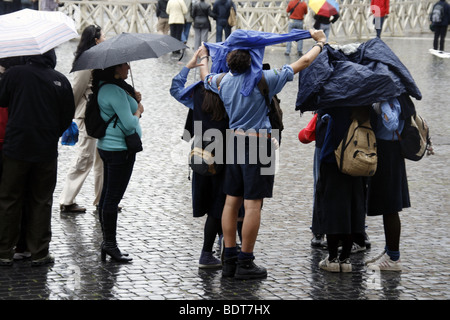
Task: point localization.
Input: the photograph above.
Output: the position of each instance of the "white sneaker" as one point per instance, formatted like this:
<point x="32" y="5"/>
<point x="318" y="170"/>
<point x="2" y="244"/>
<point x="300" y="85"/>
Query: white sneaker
<point x="332" y="266"/>
<point x="385" y="264"/>
<point x="357" y="248"/>
<point x="345" y="265"/>
<point x="377" y="257"/>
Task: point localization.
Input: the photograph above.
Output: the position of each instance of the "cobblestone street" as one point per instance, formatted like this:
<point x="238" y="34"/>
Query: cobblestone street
<point x="157" y="228"/>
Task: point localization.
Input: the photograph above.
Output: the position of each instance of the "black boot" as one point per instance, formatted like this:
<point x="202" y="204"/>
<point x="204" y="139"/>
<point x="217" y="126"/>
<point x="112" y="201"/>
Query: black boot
<point x="229" y="267"/>
<point x="247" y="269"/>
<point x="109" y="245"/>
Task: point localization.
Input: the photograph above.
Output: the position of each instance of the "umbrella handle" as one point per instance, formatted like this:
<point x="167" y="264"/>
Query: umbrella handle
<point x="131" y="75"/>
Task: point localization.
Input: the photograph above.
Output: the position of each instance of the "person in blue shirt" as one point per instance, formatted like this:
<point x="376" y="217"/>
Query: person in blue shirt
<point x="388" y="190"/>
<point x="250" y="155"/>
<point x="115" y="97"/>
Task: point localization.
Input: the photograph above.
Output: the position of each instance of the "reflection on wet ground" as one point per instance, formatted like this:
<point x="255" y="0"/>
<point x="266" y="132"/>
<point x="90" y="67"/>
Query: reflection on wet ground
<point x="156" y="225"/>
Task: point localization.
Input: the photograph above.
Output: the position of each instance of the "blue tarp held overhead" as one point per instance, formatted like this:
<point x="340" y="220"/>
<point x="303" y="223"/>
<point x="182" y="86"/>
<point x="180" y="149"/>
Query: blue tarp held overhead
<point x="370" y="74"/>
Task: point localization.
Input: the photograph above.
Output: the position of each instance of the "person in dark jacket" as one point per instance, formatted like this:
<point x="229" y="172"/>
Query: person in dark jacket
<point x="41" y="107"/>
<point x="440" y="18"/>
<point x="201" y="11"/>
<point x="208" y="115"/>
<point x="221" y="9"/>
<point x="163" y="17"/>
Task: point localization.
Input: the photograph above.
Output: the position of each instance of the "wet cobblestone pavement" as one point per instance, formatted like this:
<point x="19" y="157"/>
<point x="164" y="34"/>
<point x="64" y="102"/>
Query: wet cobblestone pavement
<point x="157" y="228"/>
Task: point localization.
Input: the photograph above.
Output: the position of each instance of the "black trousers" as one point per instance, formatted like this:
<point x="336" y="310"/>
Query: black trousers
<point x="30" y="184"/>
<point x="439" y="37"/>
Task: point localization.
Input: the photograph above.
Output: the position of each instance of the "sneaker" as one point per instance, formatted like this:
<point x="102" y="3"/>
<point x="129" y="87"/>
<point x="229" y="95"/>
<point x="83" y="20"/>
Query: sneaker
<point x="247" y="269"/>
<point x="332" y="266"/>
<point x="22" y="255"/>
<point x="357" y="248"/>
<point x="208" y="261"/>
<point x="372" y="260"/>
<point x="287" y="54"/>
<point x="385" y="264"/>
<point x="345" y="266"/>
<point x="45" y="260"/>
<point x="317" y="240"/>
<point x="6" y="262"/>
<point x="72" y="208"/>
<point x="229" y="267"/>
<point x="367" y="240"/>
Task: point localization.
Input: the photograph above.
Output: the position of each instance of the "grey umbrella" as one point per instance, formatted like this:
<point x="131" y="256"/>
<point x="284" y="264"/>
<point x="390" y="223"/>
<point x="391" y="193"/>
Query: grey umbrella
<point x="126" y="47"/>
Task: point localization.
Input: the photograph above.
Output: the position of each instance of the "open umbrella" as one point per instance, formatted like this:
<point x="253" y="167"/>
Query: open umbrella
<point x="126" y="47"/>
<point x="326" y="8"/>
<point x="30" y="32"/>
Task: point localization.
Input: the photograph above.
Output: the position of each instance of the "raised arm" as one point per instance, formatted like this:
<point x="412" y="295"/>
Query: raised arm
<point x="312" y="54"/>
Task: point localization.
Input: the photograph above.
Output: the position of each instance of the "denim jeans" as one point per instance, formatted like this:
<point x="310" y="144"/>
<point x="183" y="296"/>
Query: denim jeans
<point x="295" y="24"/>
<point x="219" y="32"/>
<point x="117" y="170"/>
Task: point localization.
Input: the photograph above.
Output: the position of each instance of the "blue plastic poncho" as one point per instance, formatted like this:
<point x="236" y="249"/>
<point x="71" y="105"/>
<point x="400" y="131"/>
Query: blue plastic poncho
<point x="371" y="74"/>
<point x="253" y="41"/>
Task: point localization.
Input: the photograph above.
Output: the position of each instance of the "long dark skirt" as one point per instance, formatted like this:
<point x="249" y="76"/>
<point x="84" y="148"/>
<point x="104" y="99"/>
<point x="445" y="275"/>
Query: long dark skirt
<point x="340" y="201"/>
<point x="207" y="195"/>
<point x="388" y="189"/>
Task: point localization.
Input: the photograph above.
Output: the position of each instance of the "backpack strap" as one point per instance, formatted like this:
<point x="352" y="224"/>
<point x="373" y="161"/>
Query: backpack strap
<point x="115" y="117"/>
<point x="264" y="89"/>
<point x="219" y="78"/>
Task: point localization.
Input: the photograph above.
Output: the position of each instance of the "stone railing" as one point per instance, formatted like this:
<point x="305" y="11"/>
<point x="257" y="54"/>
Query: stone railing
<point x="116" y="16"/>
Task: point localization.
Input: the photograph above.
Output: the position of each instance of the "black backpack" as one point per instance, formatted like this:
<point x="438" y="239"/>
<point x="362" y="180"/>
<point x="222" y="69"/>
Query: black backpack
<point x="95" y="125"/>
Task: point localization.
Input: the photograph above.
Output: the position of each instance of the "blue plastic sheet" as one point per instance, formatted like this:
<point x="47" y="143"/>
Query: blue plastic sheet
<point x="371" y="74"/>
<point x="70" y="136"/>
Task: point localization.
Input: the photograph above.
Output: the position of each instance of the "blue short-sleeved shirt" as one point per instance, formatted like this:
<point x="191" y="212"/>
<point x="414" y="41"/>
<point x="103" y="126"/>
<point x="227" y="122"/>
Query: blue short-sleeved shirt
<point x="248" y="112"/>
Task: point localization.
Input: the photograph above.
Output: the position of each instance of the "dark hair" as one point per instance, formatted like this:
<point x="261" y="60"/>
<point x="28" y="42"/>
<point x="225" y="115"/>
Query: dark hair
<point x="239" y="60"/>
<point x="213" y="105"/>
<point x="108" y="75"/>
<point x="87" y="40"/>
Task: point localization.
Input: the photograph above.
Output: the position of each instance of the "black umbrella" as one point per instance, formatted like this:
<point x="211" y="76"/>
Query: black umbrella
<point x="126" y="47"/>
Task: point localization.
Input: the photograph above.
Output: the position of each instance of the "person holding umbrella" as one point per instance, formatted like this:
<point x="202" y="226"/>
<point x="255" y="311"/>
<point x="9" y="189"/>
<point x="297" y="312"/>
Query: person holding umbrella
<point x="88" y="156"/>
<point x="115" y="97"/>
<point x="326" y="13"/>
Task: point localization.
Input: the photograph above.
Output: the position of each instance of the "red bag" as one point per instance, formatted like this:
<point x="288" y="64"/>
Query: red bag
<point x="308" y="134"/>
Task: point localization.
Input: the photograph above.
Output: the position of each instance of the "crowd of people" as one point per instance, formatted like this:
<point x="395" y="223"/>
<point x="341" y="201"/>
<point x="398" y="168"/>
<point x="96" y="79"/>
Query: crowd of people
<point x="227" y="99"/>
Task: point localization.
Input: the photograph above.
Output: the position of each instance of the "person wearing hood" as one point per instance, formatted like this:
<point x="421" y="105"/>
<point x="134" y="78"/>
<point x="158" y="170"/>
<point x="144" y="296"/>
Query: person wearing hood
<point x="41" y="107"/>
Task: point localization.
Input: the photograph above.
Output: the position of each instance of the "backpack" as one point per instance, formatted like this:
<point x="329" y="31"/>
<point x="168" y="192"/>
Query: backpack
<point x="202" y="161"/>
<point x="95" y="125"/>
<point x="232" y="19"/>
<point x="356" y="155"/>
<point x="437" y="13"/>
<point x="415" y="138"/>
<point x="275" y="113"/>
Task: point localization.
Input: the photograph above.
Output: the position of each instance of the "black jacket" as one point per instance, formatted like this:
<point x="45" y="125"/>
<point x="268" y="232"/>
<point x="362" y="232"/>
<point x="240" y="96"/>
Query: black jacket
<point x="40" y="106"/>
<point x="161" y="9"/>
<point x="201" y="11"/>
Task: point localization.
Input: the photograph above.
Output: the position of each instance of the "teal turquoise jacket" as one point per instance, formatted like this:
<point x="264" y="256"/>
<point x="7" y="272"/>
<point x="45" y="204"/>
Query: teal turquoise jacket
<point x="114" y="100"/>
